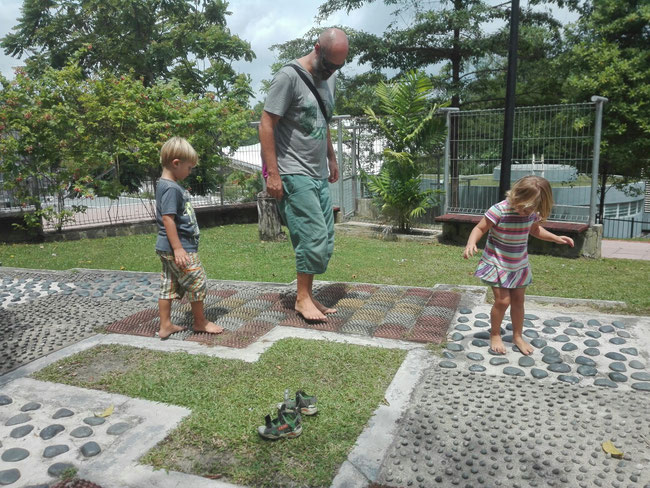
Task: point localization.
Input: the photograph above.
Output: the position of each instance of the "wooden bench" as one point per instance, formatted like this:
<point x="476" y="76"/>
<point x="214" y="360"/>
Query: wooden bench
<point x="457" y="227"/>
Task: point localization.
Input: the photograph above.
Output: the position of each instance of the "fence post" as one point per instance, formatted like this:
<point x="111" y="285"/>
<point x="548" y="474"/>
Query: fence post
<point x="445" y="183"/>
<point x="339" y="149"/>
<point x="632" y="228"/>
<point x="600" y="101"/>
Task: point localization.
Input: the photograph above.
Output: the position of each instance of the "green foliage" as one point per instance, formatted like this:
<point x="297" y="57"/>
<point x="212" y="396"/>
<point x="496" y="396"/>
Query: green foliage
<point x="67" y="136"/>
<point x="249" y="185"/>
<point x="410" y="126"/>
<point x="157" y="41"/>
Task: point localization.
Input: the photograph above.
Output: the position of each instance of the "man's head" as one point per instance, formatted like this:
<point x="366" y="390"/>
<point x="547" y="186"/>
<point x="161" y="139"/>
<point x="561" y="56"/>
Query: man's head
<point x="330" y="51"/>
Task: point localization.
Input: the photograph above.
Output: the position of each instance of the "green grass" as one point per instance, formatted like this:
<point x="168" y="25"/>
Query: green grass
<point x="229" y="399"/>
<point x="234" y="252"/>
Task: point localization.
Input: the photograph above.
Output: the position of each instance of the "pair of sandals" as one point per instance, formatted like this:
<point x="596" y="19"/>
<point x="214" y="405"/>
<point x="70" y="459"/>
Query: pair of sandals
<point x="288" y="423"/>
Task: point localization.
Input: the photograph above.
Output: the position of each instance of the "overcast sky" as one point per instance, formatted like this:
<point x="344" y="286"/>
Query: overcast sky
<point x="260" y="22"/>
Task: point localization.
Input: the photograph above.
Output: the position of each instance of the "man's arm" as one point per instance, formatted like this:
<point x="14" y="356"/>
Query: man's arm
<point x="331" y="158"/>
<point x="268" y="122"/>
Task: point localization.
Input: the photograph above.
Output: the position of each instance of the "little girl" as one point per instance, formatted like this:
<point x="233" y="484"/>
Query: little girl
<point x="504" y="263"/>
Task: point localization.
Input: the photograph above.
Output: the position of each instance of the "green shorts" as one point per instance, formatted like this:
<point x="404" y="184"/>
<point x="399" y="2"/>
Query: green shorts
<point x="306" y="209"/>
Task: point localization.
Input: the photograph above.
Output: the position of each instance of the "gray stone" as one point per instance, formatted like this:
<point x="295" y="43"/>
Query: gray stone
<point x="447" y="364"/>
<point x="551" y="359"/>
<point x="569" y="379"/>
<point x="507" y="338"/>
<point x="463" y="327"/>
<point x="53" y="451"/>
<point x="641" y="386"/>
<point x="550" y="351"/>
<point x="538" y="343"/>
<point x="57" y="469"/>
<point x="594" y="322"/>
<point x="584" y="361"/>
<point x="21" y="418"/>
<point x="531" y="333"/>
<point x="538" y="373"/>
<point x="80" y="432"/>
<point x="463" y="319"/>
<point x="606" y="329"/>
<point x="62" y="412"/>
<point x="50" y="431"/>
<point x="498" y="361"/>
<point x="593" y="333"/>
<point x="591" y="343"/>
<point x="636" y="364"/>
<point x="457" y="336"/>
<point x="561" y="338"/>
<point x="615" y="356"/>
<point x="474" y="356"/>
<point x="641" y="376"/>
<point x="530" y="316"/>
<point x="548" y="330"/>
<point x="618" y="324"/>
<point x="526" y="361"/>
<point x="551" y="323"/>
<point x="617" y="341"/>
<point x="618" y="367"/>
<point x="5" y="400"/>
<point x="480" y="343"/>
<point x="569" y="346"/>
<point x="618" y="377"/>
<point x="571" y="332"/>
<point x="559" y="368"/>
<point x="464" y="310"/>
<point x="448" y="355"/>
<point x="21" y="431"/>
<point x="564" y="319"/>
<point x="28" y="407"/>
<point x="577" y="325"/>
<point x="482" y="335"/>
<point x="482" y="316"/>
<point x="481" y="323"/>
<point x="477" y="368"/>
<point x="455" y="347"/>
<point x="512" y="371"/>
<point x="94" y="420"/>
<point x="90" y="449"/>
<point x="9" y="476"/>
<point x="605" y="382"/>
<point x="587" y="370"/>
<point x="14" y="454"/>
<point x="623" y="333"/>
<point x="591" y="351"/>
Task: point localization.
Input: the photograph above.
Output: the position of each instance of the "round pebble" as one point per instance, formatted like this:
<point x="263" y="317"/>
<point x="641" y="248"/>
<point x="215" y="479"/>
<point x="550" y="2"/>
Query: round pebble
<point x="90" y="449"/>
<point x="21" y="418"/>
<point x="617" y="341"/>
<point x="62" y="412"/>
<point x="531" y="333"/>
<point x="481" y="323"/>
<point x="605" y="382"/>
<point x="5" y="400"/>
<point x="463" y="327"/>
<point x="593" y="333"/>
<point x="463" y="319"/>
<point x="538" y="373"/>
<point x="550" y="351"/>
<point x="559" y="368"/>
<point x="569" y="346"/>
<point x="474" y="356"/>
<point x="498" y="361"/>
<point x="464" y="310"/>
<point x="618" y="377"/>
<point x="512" y="371"/>
<point x="615" y="356"/>
<point x="28" y="407"/>
<point x="9" y="476"/>
<point x="448" y="355"/>
<point x="587" y="370"/>
<point x="50" y="431"/>
<point x="551" y="359"/>
<point x="526" y="361"/>
<point x="551" y="323"/>
<point x="94" y="420"/>
<point x="591" y="351"/>
<point x="53" y="451"/>
<point x="447" y="364"/>
<point x="538" y="343"/>
<point x="57" y="469"/>
<point x="570" y="332"/>
<point x="636" y="364"/>
<point x="457" y="336"/>
<point x="482" y="316"/>
<point x="548" y="330"/>
<point x="455" y="347"/>
<point x="477" y="368"/>
<point x="617" y="366"/>
<point x="482" y="335"/>
<point x="563" y="319"/>
<point x="80" y="432"/>
<point x="21" y="431"/>
<point x="582" y="360"/>
<point x="569" y="379"/>
<point x="591" y="343"/>
<point x="14" y="454"/>
<point x="480" y="343"/>
<point x="641" y="386"/>
<point x="641" y="376"/>
<point x="594" y="322"/>
<point x="630" y="351"/>
<point x="618" y="324"/>
<point x="561" y="338"/>
<point x="606" y="329"/>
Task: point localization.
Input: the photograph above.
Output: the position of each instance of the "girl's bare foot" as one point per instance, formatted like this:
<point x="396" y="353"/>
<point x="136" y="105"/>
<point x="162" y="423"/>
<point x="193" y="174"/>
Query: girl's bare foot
<point x="323" y="308"/>
<point x="309" y="310"/>
<point x="496" y="344"/>
<point x="168" y="329"/>
<point x="525" y="348"/>
<point x="209" y="327"/>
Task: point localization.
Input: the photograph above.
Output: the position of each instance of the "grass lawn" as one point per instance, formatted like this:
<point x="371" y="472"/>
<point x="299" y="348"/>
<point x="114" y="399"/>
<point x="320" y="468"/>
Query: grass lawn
<point x="234" y="252"/>
<point x="230" y="398"/>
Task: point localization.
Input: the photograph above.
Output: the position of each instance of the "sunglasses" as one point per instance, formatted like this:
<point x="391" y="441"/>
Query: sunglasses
<point x="329" y="66"/>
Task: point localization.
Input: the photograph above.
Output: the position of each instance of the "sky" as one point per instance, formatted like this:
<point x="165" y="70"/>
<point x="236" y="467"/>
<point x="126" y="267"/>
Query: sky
<point x="262" y="23"/>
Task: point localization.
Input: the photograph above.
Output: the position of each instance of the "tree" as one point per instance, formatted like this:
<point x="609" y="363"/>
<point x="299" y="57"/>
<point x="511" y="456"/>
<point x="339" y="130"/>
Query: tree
<point x="157" y="41"/>
<point x="410" y="125"/>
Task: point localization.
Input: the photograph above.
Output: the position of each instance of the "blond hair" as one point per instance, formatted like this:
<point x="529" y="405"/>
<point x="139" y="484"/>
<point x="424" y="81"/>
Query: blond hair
<point x="177" y="148"/>
<point x="532" y="191"/>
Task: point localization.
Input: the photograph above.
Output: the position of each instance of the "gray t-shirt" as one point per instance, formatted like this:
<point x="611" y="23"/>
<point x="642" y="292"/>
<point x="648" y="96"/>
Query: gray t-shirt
<point x="301" y="133"/>
<point x="172" y="199"/>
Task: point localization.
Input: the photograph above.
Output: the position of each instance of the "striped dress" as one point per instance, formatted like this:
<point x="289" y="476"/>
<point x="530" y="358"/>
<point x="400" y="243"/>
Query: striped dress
<point x="504" y="262"/>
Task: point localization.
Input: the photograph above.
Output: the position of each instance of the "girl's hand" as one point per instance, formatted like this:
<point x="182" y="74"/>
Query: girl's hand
<point x="566" y="240"/>
<point x="469" y="251"/>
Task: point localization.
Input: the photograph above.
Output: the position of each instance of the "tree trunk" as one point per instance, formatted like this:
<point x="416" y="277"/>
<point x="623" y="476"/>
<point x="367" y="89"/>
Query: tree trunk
<point x="268" y="218"/>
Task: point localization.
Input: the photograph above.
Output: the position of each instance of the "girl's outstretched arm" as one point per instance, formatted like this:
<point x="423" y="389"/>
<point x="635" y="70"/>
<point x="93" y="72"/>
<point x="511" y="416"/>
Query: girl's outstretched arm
<point x="477" y="232"/>
<point x="541" y="233"/>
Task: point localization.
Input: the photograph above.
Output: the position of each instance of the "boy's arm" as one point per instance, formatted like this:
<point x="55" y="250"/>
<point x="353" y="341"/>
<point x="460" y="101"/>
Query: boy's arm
<point x="180" y="255"/>
<point x="477" y="232"/>
<point x="541" y="233"/>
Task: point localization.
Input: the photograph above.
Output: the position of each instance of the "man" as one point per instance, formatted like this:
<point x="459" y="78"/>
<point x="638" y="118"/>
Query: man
<point x="300" y="160"/>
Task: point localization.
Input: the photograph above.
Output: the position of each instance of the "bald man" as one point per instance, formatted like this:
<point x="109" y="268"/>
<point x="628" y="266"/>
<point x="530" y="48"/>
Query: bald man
<point x="300" y="160"/>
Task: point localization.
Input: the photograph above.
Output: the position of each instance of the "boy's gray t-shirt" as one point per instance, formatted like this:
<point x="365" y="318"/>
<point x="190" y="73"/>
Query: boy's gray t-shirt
<point x="301" y="133"/>
<point x="172" y="199"/>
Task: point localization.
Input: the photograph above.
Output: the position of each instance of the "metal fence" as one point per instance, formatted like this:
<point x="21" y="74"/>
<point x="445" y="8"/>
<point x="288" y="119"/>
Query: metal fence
<point x="554" y="141"/>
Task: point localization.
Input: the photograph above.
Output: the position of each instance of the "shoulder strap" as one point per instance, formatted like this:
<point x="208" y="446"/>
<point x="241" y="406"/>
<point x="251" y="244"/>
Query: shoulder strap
<point x="311" y="86"/>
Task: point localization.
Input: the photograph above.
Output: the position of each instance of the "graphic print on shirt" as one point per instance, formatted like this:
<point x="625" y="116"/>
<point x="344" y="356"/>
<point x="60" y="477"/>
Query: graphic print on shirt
<point x="189" y="212"/>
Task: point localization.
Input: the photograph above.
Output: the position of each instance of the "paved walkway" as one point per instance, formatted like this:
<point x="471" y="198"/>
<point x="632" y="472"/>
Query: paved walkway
<point x="468" y="418"/>
<point x="625" y="249"/>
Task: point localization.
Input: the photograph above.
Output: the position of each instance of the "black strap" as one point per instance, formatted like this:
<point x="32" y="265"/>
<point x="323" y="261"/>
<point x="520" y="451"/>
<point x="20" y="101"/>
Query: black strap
<point x="311" y="86"/>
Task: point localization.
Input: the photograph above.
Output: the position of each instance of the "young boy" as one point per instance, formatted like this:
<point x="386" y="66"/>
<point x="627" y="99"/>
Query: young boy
<point x="178" y="240"/>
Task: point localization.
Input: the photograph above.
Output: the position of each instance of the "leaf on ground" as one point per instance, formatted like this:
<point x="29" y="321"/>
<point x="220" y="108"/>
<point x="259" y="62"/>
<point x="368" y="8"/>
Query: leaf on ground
<point x="610" y="448"/>
<point x="106" y="413"/>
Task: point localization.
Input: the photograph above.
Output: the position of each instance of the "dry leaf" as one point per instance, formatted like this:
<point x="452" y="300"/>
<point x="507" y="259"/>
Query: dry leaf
<point x="610" y="448"/>
<point x="106" y="413"/>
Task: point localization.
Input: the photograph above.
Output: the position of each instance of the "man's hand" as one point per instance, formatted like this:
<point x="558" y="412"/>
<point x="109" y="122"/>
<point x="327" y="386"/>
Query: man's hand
<point x="274" y="186"/>
<point x="334" y="171"/>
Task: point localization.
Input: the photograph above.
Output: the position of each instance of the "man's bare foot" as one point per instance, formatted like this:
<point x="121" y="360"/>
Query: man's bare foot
<point x="309" y="310"/>
<point x="209" y="327"/>
<point x="323" y="308"/>
<point x="169" y="329"/>
<point x="525" y="348"/>
<point x="496" y="344"/>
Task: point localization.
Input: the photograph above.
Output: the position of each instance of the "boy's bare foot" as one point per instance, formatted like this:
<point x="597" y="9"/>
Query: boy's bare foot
<point x="309" y="310"/>
<point x="525" y="348"/>
<point x="209" y="327"/>
<point x="323" y="308"/>
<point x="167" y="330"/>
<point x="496" y="344"/>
